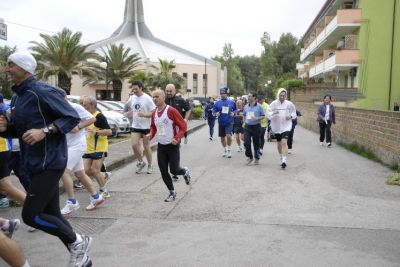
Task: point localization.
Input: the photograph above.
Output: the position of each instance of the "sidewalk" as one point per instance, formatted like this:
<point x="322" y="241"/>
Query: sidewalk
<point x="121" y="153"/>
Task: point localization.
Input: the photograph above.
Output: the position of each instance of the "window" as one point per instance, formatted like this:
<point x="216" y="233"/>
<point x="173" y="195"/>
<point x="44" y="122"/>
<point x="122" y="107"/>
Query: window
<point x="205" y="80"/>
<point x="195" y="83"/>
<point x="185" y="83"/>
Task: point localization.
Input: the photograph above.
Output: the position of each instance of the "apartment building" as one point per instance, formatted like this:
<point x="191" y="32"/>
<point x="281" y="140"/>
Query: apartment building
<point x="355" y="45"/>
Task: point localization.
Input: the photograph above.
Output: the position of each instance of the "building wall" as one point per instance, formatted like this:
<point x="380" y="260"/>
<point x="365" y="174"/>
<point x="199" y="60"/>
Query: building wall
<point x="215" y="81"/>
<point x="395" y="96"/>
<point x="375" y="53"/>
<point x="376" y="130"/>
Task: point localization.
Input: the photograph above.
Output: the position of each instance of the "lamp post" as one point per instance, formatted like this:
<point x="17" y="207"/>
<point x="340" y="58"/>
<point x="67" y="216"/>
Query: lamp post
<point x="104" y="65"/>
<point x="205" y="79"/>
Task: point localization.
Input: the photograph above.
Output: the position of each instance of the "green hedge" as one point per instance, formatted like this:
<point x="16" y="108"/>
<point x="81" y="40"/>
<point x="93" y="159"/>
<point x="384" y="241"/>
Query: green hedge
<point x="197" y="112"/>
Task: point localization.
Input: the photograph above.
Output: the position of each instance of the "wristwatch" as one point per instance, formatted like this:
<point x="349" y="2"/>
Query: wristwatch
<point x="49" y="129"/>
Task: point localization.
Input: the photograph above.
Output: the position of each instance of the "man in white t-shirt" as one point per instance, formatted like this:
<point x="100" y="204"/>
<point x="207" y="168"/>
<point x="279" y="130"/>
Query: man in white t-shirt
<point x="141" y="105"/>
<point x="76" y="142"/>
<point x="281" y="112"/>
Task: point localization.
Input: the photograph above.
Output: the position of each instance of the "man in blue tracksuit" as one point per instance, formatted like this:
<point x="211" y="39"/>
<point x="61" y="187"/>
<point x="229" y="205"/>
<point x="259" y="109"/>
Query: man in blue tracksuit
<point x="40" y="119"/>
<point x="209" y="114"/>
<point x="253" y="113"/>
<point x="224" y="110"/>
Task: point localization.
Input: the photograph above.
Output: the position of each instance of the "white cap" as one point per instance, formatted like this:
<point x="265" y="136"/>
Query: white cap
<point x="24" y="60"/>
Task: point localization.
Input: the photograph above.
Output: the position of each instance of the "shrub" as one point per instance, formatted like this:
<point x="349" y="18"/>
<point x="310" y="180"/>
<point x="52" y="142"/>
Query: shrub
<point x="197" y="112"/>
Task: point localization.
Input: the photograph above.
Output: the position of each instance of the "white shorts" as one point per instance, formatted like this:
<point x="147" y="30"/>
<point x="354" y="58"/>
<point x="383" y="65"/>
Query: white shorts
<point x="75" y="161"/>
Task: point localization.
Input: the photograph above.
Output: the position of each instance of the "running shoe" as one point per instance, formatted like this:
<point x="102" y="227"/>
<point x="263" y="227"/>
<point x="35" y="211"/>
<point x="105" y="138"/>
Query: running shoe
<point x="256" y="162"/>
<point x="211" y="138"/>
<point x="95" y="203"/>
<point x="140" y="166"/>
<point x="225" y="154"/>
<point x="283" y="165"/>
<point x="290" y="151"/>
<point x="171" y="197"/>
<point x="4" y="203"/>
<point x="149" y="169"/>
<point x="78" y="251"/>
<point x="249" y="161"/>
<point x="105" y="193"/>
<point x="78" y="185"/>
<point x="329" y="144"/>
<point x="87" y="262"/>
<point x="70" y="207"/>
<point x="14" y="224"/>
<point x="321" y="143"/>
<point x="228" y="154"/>
<point x="187" y="176"/>
<point x="239" y="149"/>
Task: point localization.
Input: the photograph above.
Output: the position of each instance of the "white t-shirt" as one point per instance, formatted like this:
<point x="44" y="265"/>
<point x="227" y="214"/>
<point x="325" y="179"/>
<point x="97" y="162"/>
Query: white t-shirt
<point x="143" y="103"/>
<point x="78" y="139"/>
<point x="279" y="123"/>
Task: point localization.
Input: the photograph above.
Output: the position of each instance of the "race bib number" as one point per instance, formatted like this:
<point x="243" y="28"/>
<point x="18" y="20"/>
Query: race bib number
<point x="161" y="129"/>
<point x="225" y="110"/>
<point x="249" y="115"/>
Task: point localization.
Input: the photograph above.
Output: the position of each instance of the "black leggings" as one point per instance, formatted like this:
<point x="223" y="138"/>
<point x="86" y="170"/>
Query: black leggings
<point x="42" y="206"/>
<point x="325" y="128"/>
<point x="169" y="155"/>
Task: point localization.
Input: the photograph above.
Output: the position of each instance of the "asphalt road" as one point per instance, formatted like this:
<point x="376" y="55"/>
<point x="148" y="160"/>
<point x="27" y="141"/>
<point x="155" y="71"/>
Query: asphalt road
<point x="328" y="208"/>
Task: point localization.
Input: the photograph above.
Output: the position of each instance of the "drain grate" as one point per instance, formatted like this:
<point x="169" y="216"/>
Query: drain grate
<point x="90" y="226"/>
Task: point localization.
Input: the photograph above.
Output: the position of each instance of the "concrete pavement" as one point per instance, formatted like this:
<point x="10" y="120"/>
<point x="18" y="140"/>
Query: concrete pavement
<point x="330" y="207"/>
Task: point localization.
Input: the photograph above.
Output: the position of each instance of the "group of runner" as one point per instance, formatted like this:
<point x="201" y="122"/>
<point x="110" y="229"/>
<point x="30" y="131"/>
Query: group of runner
<point x="250" y="123"/>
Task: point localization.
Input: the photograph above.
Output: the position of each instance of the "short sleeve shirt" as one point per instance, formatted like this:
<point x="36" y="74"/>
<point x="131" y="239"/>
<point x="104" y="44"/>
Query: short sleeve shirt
<point x="142" y="103"/>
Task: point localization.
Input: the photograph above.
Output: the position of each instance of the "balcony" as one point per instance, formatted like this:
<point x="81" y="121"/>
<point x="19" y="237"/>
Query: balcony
<point x="345" y="22"/>
<point x="336" y="60"/>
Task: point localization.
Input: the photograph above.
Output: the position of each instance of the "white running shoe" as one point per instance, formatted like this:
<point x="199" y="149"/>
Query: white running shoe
<point x="225" y="154"/>
<point x="78" y="251"/>
<point x="70" y="207"/>
<point x="228" y="154"/>
<point x="95" y="203"/>
<point x="149" y="169"/>
<point x="140" y="166"/>
<point x="321" y="143"/>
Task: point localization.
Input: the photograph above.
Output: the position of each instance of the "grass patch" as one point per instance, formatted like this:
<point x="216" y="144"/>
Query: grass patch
<point x="394" y="178"/>
<point x="362" y="151"/>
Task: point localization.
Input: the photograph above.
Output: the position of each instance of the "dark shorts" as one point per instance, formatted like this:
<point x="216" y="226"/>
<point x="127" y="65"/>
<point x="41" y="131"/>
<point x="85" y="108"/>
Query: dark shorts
<point x="284" y="135"/>
<point x="224" y="130"/>
<point x="238" y="129"/>
<point x="142" y="131"/>
<point x="4" y="170"/>
<point x="95" y="155"/>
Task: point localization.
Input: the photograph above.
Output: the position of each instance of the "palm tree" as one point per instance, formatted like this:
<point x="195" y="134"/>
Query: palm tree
<point x="165" y="75"/>
<point x="62" y="55"/>
<point x="5" y="52"/>
<point x="121" y="64"/>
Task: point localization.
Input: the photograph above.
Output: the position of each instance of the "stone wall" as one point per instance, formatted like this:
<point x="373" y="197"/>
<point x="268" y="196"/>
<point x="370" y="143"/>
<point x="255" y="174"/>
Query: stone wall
<point x="378" y="131"/>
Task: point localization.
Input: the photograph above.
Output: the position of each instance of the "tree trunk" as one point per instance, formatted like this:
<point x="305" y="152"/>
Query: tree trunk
<point x="64" y="82"/>
<point x="117" y="87"/>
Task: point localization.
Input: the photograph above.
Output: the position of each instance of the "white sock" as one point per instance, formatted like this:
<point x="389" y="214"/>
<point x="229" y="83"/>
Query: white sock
<point x="226" y="149"/>
<point x="229" y="148"/>
<point x="78" y="239"/>
<point x="26" y="264"/>
<point x="284" y="159"/>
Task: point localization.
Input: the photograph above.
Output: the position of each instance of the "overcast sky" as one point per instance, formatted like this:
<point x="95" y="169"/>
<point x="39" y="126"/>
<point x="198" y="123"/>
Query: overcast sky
<point x="201" y="26"/>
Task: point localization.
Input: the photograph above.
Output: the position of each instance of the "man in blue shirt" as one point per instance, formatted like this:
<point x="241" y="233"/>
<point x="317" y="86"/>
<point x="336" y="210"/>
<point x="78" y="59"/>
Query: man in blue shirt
<point x="224" y="111"/>
<point x="253" y="113"/>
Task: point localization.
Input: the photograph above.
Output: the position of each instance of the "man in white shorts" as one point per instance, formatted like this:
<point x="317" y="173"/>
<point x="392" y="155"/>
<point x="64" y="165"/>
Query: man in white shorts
<point x="76" y="142"/>
<point x="141" y="105"/>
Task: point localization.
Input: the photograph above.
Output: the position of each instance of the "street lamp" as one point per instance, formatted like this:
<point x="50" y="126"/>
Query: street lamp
<point x="104" y="65"/>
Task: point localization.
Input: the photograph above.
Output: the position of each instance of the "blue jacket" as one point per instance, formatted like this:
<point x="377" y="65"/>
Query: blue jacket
<point x="209" y="111"/>
<point x="225" y="118"/>
<point x="36" y="106"/>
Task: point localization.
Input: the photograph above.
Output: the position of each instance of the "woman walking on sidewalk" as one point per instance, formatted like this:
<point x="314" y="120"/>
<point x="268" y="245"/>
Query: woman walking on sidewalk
<point x="326" y="116"/>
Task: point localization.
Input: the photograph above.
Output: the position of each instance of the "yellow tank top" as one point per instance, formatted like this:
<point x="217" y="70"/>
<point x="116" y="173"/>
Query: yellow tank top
<point x="3" y="145"/>
<point x="96" y="142"/>
<point x="264" y="121"/>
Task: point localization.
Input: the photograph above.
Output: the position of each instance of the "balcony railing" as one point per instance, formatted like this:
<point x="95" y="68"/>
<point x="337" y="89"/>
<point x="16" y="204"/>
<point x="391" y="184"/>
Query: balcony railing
<point x="344" y="18"/>
<point x="337" y="60"/>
